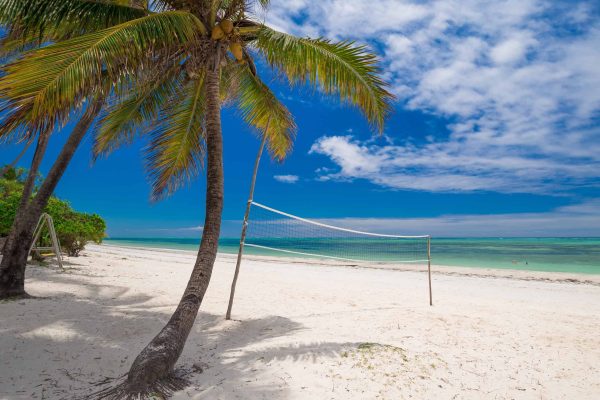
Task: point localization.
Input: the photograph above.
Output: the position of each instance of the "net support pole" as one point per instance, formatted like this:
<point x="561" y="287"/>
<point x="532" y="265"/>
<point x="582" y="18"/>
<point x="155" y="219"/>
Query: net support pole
<point x="429" y="269"/>
<point x="245" y="223"/>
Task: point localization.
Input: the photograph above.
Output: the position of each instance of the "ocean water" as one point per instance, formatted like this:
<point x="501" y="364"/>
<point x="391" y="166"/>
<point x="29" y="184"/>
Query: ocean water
<point x="581" y="255"/>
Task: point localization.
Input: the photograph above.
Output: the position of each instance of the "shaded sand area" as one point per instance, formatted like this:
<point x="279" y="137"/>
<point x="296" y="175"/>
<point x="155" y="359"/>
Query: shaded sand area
<point x="306" y="330"/>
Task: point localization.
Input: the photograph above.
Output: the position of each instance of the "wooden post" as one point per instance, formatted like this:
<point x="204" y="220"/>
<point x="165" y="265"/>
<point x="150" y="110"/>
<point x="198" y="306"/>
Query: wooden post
<point x="429" y="268"/>
<point x="245" y="224"/>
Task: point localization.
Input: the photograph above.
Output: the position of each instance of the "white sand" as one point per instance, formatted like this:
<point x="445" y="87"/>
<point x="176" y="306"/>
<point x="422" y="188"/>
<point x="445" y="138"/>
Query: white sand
<point x="300" y="331"/>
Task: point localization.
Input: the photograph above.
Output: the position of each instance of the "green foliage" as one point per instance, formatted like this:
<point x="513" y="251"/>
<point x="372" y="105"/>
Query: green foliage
<point x="261" y="108"/>
<point x="50" y="80"/>
<point x="334" y="67"/>
<point x="74" y="229"/>
<point x="176" y="151"/>
<point x="151" y="57"/>
<point x="10" y="195"/>
<point x="61" y="19"/>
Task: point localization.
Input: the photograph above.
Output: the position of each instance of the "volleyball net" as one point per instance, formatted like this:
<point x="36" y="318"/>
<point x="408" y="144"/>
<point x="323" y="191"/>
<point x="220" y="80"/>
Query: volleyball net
<point x="275" y="232"/>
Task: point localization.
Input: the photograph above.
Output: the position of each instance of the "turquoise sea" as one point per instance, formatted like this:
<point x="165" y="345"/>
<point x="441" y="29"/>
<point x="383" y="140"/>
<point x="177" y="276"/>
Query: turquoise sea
<point x="580" y="255"/>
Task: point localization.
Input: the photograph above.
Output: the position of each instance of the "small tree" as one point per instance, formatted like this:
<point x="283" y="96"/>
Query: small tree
<point x="74" y="229"/>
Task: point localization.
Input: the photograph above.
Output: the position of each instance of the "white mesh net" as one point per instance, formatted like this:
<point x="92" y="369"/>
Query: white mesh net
<point x="275" y="232"/>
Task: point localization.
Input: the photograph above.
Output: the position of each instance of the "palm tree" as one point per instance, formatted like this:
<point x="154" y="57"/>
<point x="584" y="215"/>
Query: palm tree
<point x="198" y="55"/>
<point x="30" y="24"/>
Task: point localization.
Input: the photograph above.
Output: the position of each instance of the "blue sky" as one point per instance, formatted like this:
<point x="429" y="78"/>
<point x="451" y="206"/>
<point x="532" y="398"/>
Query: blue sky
<point x="496" y="131"/>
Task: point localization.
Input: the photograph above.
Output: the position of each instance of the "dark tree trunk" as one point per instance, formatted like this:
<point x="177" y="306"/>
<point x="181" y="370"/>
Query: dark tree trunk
<point x="38" y="155"/>
<point x="16" y="248"/>
<point x="29" y="184"/>
<point x="153" y="367"/>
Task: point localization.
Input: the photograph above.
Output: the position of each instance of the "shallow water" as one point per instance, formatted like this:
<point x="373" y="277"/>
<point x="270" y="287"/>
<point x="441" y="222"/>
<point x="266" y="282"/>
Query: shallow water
<point x="580" y="255"/>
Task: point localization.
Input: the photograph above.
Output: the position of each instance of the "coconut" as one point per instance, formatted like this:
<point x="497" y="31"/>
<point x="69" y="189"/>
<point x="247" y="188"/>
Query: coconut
<point x="227" y="26"/>
<point x="217" y="33"/>
<point x="236" y="50"/>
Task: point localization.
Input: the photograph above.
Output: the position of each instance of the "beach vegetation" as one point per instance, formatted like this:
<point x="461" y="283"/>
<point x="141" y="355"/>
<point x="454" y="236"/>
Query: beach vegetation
<point x="74" y="229"/>
<point x="38" y="103"/>
<point x="171" y="68"/>
<point x="32" y="205"/>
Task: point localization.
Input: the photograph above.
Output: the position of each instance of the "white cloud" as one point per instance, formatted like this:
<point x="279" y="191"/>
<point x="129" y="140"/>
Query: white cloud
<point x="512" y="49"/>
<point x="447" y="168"/>
<point x="519" y="79"/>
<point x="286" y="178"/>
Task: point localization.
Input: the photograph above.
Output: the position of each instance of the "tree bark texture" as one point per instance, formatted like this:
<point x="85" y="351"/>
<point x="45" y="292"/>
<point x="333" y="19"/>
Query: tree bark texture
<point x="18" y="242"/>
<point x="158" y="358"/>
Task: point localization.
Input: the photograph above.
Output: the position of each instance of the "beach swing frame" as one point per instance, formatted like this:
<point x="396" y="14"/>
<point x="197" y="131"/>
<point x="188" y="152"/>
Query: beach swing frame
<point x="46" y="219"/>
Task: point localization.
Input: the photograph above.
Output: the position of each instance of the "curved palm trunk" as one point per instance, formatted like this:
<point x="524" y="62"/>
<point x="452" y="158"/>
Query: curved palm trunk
<point x="38" y="155"/>
<point x="16" y="248"/>
<point x="155" y="363"/>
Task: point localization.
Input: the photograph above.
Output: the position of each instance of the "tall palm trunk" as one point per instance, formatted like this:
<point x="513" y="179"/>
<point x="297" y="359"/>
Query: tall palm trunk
<point x="16" y="248"/>
<point x="154" y="365"/>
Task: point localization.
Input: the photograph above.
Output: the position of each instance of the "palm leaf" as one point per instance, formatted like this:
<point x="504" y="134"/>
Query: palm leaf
<point x="61" y="75"/>
<point x="14" y="127"/>
<point x="176" y="151"/>
<point x="261" y="109"/>
<point x="343" y="68"/>
<point x="59" y="19"/>
<point x="137" y="111"/>
<point x="13" y="45"/>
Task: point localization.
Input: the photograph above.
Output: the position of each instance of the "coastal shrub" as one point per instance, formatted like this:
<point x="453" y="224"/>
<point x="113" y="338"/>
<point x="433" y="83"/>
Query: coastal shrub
<point x="10" y="195"/>
<point x="74" y="229"/>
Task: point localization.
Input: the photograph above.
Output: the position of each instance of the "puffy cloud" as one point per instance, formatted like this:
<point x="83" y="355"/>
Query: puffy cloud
<point x="519" y="79"/>
<point x="449" y="167"/>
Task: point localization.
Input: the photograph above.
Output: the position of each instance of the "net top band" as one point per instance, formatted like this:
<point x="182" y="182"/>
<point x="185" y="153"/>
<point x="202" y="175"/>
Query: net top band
<point x="337" y="227"/>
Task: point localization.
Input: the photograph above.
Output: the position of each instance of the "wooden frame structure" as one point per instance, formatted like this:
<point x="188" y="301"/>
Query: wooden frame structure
<point x="46" y="219"/>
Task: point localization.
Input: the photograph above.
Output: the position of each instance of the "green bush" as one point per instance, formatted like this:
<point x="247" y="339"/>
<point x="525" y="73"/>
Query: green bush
<point x="74" y="229"/>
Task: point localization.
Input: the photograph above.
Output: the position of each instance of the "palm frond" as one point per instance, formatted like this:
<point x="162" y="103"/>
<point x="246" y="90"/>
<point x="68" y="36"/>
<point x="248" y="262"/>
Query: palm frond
<point x="58" y="76"/>
<point x="14" y="42"/>
<point x="14" y="127"/>
<point x="344" y="68"/>
<point x="135" y="113"/>
<point x="176" y="151"/>
<point x="264" y="3"/>
<point x="60" y="19"/>
<point x="261" y="109"/>
<point x="229" y="82"/>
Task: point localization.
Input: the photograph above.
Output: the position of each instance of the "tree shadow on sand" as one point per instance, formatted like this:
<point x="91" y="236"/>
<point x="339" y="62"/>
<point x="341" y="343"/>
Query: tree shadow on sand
<point x="68" y="346"/>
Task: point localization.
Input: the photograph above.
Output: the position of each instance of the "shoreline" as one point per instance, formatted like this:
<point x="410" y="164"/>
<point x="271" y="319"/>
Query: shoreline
<point x="526" y="275"/>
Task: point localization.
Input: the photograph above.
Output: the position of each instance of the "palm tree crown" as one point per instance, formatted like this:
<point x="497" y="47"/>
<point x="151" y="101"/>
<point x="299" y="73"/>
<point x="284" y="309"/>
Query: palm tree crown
<point x="152" y="58"/>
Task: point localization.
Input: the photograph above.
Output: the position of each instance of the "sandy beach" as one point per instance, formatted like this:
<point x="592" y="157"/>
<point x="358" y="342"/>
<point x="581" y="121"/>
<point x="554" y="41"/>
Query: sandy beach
<point x="306" y="330"/>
